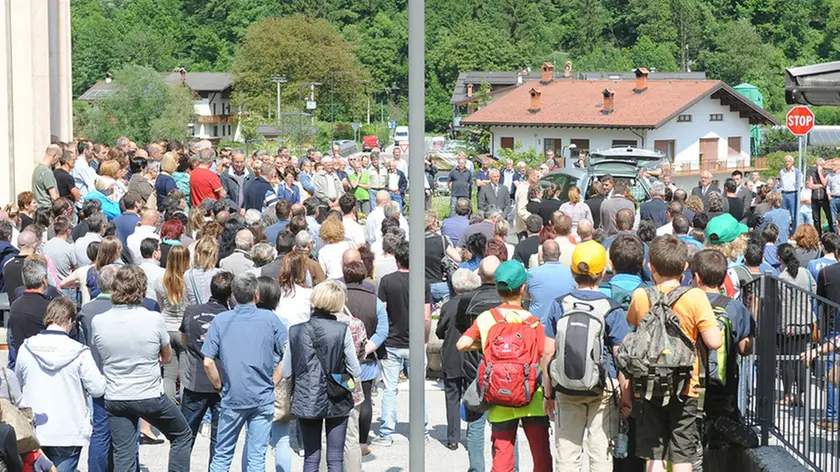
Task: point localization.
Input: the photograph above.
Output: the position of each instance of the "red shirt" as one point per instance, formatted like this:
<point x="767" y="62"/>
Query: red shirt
<point x="203" y="184"/>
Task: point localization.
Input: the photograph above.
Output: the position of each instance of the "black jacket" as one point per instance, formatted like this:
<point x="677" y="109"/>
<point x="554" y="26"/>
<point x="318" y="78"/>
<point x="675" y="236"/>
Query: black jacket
<point x="526" y="248"/>
<point x="470" y="306"/>
<point x="309" y="392"/>
<point x="255" y="194"/>
<point x="362" y="304"/>
<point x="451" y="358"/>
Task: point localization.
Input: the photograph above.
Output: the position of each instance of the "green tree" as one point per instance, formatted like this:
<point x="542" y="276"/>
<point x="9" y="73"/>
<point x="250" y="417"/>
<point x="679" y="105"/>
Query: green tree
<point x="95" y="43"/>
<point x="605" y="59"/>
<point x="312" y="54"/>
<point x="645" y="53"/>
<point x="143" y="107"/>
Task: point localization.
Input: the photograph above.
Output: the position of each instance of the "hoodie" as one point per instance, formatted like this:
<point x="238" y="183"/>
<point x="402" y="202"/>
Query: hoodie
<point x="7" y="251"/>
<point x="57" y="374"/>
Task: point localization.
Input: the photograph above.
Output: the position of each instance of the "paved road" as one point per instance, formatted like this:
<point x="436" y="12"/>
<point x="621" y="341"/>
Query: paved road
<point x="393" y="459"/>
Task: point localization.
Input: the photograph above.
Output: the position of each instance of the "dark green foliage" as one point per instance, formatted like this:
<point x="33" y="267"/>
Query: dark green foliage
<point x="732" y="40"/>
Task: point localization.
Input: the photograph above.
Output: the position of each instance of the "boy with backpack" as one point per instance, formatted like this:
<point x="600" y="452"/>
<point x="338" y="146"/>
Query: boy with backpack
<point x="510" y="337"/>
<point x="585" y="323"/>
<point x="662" y="363"/>
<point x="737" y="328"/>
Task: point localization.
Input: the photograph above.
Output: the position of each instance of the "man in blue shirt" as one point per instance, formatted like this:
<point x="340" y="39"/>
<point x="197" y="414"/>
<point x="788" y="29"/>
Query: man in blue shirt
<point x="454" y="226"/>
<point x="283" y="210"/>
<point x="249" y="342"/>
<point x="548" y="281"/>
<point x="127" y="222"/>
<point x="790" y="180"/>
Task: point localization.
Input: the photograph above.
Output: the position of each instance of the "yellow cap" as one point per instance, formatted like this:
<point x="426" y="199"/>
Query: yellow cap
<point x="589" y="258"/>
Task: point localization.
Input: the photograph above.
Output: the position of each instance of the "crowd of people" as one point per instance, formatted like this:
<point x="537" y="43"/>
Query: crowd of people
<point x="175" y="286"/>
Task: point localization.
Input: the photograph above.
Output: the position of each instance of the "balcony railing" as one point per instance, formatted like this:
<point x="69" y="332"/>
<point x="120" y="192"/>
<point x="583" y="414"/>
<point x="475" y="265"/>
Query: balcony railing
<point x="720" y="165"/>
<point x="215" y="119"/>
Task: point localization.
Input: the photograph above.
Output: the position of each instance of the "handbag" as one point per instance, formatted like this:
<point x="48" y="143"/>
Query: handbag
<point x="21" y="420"/>
<point x="338" y="385"/>
<point x="283" y="401"/>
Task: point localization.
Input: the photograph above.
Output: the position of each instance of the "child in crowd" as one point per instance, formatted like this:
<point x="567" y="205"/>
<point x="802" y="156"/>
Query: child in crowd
<point x="670" y="432"/>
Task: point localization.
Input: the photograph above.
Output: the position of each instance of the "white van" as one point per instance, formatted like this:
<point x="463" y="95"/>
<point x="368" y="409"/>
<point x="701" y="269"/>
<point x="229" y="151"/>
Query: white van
<point x="401" y="135"/>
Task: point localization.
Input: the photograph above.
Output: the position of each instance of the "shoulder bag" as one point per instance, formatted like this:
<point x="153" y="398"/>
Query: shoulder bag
<point x="338" y="384"/>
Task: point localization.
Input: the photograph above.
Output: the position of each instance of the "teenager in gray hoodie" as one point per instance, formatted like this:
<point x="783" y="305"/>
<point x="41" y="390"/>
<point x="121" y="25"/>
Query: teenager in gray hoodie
<point x="57" y="374"/>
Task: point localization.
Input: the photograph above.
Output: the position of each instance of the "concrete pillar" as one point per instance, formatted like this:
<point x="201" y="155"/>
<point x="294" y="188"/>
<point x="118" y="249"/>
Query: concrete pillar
<point x="25" y="99"/>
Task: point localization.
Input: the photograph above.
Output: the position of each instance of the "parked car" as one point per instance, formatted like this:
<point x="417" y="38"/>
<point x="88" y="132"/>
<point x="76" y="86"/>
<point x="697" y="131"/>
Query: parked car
<point x="346" y="147"/>
<point x="370" y="142"/>
<point x="449" y="152"/>
<point x="623" y="163"/>
<point x="442" y="184"/>
<point x="401" y="135"/>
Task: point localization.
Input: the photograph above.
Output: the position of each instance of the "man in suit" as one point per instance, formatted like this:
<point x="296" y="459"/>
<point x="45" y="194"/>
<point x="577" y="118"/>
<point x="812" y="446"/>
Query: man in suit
<point x="742" y="191"/>
<point x="510" y="177"/>
<point x="705" y="188"/>
<point x="495" y="194"/>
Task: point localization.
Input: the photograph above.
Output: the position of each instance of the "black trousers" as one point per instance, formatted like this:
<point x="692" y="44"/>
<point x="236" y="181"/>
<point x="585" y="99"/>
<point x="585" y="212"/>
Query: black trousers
<point x="819" y="206"/>
<point x="453" y="389"/>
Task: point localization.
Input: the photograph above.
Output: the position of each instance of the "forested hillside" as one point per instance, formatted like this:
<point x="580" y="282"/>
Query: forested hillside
<point x="733" y="40"/>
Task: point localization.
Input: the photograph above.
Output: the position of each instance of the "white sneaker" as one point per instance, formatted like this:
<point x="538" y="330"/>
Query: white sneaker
<point x="383" y="442"/>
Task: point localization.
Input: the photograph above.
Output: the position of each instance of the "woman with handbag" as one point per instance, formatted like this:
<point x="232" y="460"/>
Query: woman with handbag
<point x="322" y="363"/>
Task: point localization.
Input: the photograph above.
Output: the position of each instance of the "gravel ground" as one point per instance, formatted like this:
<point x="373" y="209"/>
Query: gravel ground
<point x="392" y="459"/>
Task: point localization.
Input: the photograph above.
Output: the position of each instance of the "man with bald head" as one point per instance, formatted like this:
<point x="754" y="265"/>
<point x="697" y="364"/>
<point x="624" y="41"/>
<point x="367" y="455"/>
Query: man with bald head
<point x="44" y="185"/>
<point x="239" y="261"/>
<point x="149" y="220"/>
<point x="353" y="255"/>
<point x="28" y="242"/>
<point x="374" y="219"/>
<point x="585" y="230"/>
<point x="551" y="280"/>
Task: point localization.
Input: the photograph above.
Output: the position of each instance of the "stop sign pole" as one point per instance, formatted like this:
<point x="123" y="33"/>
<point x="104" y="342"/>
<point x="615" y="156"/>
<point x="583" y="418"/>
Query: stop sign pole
<point x="800" y="121"/>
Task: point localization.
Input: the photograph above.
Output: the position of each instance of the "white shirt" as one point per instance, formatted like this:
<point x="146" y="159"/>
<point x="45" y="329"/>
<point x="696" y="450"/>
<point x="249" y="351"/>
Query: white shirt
<point x="84" y="175"/>
<point x="507" y="179"/>
<point x="81" y="245"/>
<point x="566" y="249"/>
<point x="402" y="165"/>
<point x="788" y="180"/>
<point x="353" y="231"/>
<point x="374" y="221"/>
<point x="154" y="275"/>
<point x="295" y="308"/>
<point x="667" y="228"/>
<point x="134" y="240"/>
<point x="329" y="257"/>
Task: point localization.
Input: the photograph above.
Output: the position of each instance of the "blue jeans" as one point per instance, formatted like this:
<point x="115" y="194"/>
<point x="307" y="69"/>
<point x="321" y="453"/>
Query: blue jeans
<point x="194" y="405"/>
<point x="99" y="454"/>
<point x="790" y="204"/>
<point x="65" y="459"/>
<point x="835" y="208"/>
<point x="396" y="197"/>
<point x="336" y="434"/>
<point x="160" y="412"/>
<point x="282" y="449"/>
<point x="439" y="291"/>
<point x="390" y="369"/>
<point x="257" y="422"/>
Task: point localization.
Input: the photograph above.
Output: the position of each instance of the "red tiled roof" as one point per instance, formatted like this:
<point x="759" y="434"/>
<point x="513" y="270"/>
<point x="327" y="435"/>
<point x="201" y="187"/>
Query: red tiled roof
<point x="578" y="103"/>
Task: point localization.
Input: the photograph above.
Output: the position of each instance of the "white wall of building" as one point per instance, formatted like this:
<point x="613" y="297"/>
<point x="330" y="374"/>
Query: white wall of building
<point x="686" y="136"/>
<point x="215" y="105"/>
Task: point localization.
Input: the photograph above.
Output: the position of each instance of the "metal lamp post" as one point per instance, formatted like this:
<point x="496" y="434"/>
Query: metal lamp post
<point x="332" y="101"/>
<point x="279" y="80"/>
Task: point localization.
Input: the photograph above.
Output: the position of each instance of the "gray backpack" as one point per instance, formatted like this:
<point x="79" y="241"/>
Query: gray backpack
<point x="658" y="357"/>
<point x="578" y="365"/>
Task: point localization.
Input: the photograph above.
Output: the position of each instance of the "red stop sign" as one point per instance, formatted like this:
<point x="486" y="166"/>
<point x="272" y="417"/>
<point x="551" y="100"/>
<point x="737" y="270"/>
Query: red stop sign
<point x="800" y="120"/>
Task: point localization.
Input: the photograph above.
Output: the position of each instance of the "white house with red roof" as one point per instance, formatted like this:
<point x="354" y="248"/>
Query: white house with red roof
<point x="698" y="124"/>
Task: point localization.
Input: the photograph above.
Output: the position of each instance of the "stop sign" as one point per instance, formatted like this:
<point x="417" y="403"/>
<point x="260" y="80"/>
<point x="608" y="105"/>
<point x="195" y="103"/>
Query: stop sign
<point x="800" y="120"/>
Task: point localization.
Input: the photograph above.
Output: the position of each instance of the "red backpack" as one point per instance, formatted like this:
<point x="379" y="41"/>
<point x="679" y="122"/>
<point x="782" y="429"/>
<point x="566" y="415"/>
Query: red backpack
<point x="509" y="370"/>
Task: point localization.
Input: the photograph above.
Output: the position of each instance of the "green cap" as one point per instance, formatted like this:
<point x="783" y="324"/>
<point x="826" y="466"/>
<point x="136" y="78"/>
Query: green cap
<point x="511" y="275"/>
<point x="724" y="229"/>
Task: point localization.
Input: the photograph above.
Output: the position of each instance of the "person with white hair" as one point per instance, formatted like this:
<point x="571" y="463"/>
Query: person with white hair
<point x="240" y="260"/>
<point x="252" y="216"/>
<point x="656" y="208"/>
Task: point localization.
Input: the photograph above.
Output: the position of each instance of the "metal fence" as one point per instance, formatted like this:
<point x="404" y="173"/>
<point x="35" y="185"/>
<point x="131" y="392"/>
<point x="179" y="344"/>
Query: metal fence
<point x="790" y="400"/>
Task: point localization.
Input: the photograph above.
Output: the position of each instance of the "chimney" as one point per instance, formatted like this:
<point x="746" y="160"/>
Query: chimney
<point x="567" y="70"/>
<point x="469" y="90"/>
<point x="641" y="79"/>
<point x="519" y="78"/>
<point x="108" y="77"/>
<point x="547" y="73"/>
<point x="183" y="73"/>
<point x="609" y="101"/>
<point x="535" y="100"/>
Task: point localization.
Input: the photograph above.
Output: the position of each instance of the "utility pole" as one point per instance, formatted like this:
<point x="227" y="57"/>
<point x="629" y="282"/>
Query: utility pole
<point x="279" y="80"/>
<point x="332" y="101"/>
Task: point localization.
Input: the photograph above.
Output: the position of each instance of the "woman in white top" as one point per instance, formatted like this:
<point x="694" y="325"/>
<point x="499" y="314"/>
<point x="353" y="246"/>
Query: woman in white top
<point x="329" y="256"/>
<point x="576" y="209"/>
<point x="294" y="306"/>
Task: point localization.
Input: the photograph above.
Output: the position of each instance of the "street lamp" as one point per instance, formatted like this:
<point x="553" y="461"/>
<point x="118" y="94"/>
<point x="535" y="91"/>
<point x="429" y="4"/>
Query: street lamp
<point x="332" y="100"/>
<point x="279" y="80"/>
<point x="301" y="86"/>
